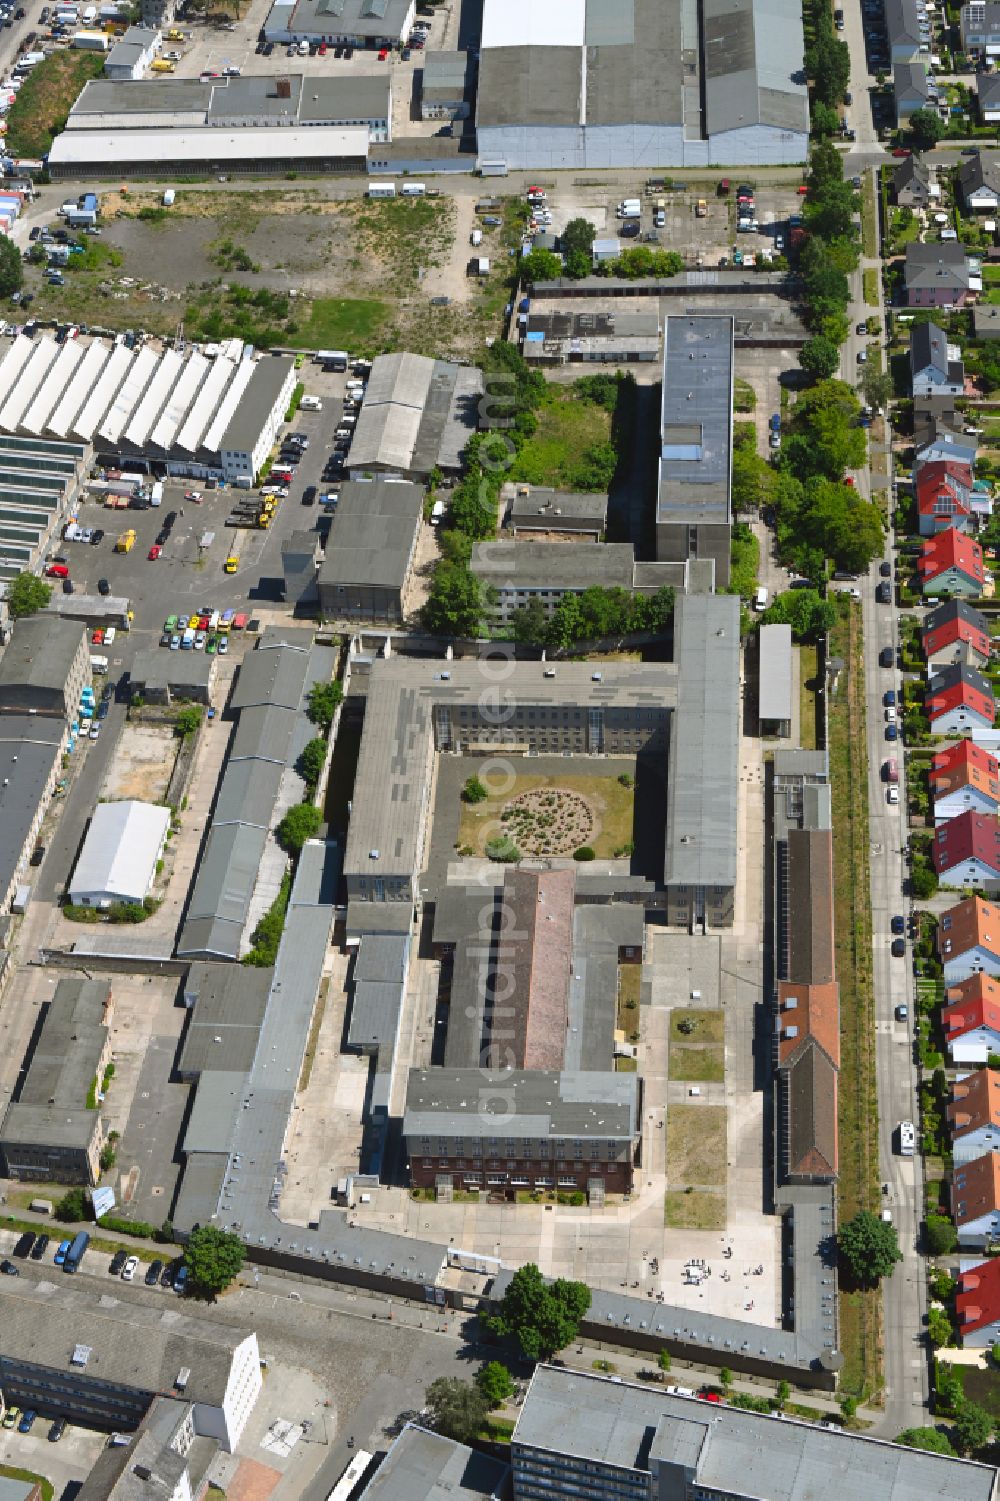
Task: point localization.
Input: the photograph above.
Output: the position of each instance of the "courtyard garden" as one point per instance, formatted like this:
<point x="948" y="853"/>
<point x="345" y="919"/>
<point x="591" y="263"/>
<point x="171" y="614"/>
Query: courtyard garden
<point x="559" y="816"/>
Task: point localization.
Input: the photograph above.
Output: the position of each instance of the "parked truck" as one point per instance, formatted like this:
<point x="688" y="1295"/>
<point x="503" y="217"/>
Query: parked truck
<point x="126" y="541"/>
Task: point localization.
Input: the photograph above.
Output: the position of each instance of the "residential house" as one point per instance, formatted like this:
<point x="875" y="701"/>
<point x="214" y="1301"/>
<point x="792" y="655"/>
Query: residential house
<point x="971" y="1019"/>
<point x="979" y="183"/>
<point x="911" y="183"/>
<point x="986" y="315"/>
<point x="974" y="1114"/>
<point x="943" y="493"/>
<point x="912" y="89"/>
<point x="951" y="563"/>
<point x="959" y="699"/>
<point x="937" y="274"/>
<point x="975" y="1200"/>
<point x="964" y="778"/>
<point x="946" y="446"/>
<point x="966" y="852"/>
<point x="968" y="940"/>
<point x="980" y="29"/>
<point x="935" y="365"/>
<point x="903" y="29"/>
<point x="955" y="632"/>
<point x="977" y="1305"/>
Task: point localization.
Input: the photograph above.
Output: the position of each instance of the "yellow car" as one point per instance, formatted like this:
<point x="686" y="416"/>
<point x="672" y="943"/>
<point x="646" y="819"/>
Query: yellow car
<point x="176" y="36"/>
<point x="193" y="622"/>
<point x="162" y="66"/>
<point x="231" y="563"/>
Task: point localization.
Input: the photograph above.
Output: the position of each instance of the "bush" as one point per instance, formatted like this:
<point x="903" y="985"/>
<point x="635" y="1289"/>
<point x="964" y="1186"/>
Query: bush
<point x="941" y="1236"/>
<point x="188" y="721"/>
<point x="72" y="1207"/>
<point x="584" y="852"/>
<point x="140" y="1228"/>
<point x="626" y="779"/>
<point x="312" y="759"/>
<point x="293" y="405"/>
<point x="267" y="934"/>
<point x="474" y="791"/>
<point x="503" y="850"/>
<point x="323" y="701"/>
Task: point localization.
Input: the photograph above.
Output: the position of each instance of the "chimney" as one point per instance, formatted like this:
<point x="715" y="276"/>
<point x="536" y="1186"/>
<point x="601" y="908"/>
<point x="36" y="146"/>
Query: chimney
<point x="284" y="88"/>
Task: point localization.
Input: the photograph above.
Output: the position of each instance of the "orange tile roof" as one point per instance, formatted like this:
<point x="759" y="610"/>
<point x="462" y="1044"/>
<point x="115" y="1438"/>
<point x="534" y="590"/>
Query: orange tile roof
<point x="977" y="1301"/>
<point x="975" y="1189"/>
<point x="975" y="1102"/>
<point x="970" y="924"/>
<point x="534" y="964"/>
<point x="813" y="1011"/>
<point x="965" y="765"/>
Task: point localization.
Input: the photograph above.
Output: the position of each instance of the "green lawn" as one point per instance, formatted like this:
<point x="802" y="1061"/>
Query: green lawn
<point x="697" y="1064"/>
<point x="39" y="112"/>
<point x="869" y="280"/>
<point x="697" y="1209"/>
<point x="350" y="323"/>
<point x="557" y="453"/>
<point x="612" y="806"/>
<point x="696" y="1145"/>
<point x="11" y="1472"/>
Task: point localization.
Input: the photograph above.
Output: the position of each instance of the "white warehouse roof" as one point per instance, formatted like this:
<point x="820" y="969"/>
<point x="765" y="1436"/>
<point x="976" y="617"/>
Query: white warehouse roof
<point x="119" y="855"/>
<point x="84" y="148"/>
<point x="525" y="23"/>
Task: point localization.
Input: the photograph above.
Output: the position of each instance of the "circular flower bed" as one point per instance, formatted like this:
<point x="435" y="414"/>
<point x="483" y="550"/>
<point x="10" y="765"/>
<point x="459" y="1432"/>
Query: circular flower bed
<point x="549" y="821"/>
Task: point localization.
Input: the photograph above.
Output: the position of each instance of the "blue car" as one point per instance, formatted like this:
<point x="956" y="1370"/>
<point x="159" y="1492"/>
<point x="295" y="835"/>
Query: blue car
<point x="892" y="732"/>
<point x="61" y="1250"/>
<point x="180" y="1279"/>
<point x="27" y="1421"/>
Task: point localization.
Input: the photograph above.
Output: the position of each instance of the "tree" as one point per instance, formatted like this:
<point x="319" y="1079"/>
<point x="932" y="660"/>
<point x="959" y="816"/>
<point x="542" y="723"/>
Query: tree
<point x="876" y="387"/>
<point x="782" y="1395"/>
<point x="26" y="594"/>
<point x="11" y="269"/>
<point x="541" y="265"/>
<point x="926" y="128"/>
<point x="213" y="1258"/>
<point x="312" y="759"/>
<point x="324" y="699"/>
<point x="819" y="357"/>
<point x="825" y="119"/>
<point x="457" y="1409"/>
<point x="869" y="1248"/>
<point x="502" y="849"/>
<point x="542" y="1316"/>
<point x="923" y="884"/>
<point x="725" y="1378"/>
<point x="456" y="602"/>
<point x="300" y="823"/>
<point x="753" y="478"/>
<point x="579" y="234"/>
<point x="72" y="1207"/>
<point x="925" y="1438"/>
<point x="495" y="1382"/>
<point x="995" y="1354"/>
<point x="188" y="721"/>
<point x="973" y="1428"/>
<point x="848" y="1407"/>
<point x="529" y="623"/>
<point x="474" y="791"/>
<point x="566" y="623"/>
<point x="663" y="1361"/>
<point x="938" y="1327"/>
<point x="805" y="610"/>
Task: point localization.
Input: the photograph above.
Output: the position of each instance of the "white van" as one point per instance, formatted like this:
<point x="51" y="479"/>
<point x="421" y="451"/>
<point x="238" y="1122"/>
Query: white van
<point x="907" y="1138"/>
<point x="156" y="494"/>
<point x="413" y="189"/>
<point x="381" y="190"/>
<point x="311" y="404"/>
<point x="760" y="599"/>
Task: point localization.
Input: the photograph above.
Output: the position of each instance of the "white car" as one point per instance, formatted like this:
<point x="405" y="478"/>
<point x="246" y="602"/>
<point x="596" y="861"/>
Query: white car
<point x="892" y="795"/>
<point x="130" y="1268"/>
<point x="172" y="57"/>
<point x="890" y="715"/>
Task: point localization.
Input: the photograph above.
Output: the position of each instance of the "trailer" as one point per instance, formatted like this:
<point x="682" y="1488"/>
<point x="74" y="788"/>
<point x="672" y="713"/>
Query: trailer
<point x="381" y="190"/>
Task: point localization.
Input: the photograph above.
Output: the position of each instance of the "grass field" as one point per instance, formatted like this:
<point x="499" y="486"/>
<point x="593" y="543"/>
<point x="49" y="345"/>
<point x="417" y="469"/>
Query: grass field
<point x="342" y="323"/>
<point x="11" y="1472"/>
<point x="709" y="1026"/>
<point x="696" y="1145"/>
<point x="697" y="1065"/>
<point x="557" y="453"/>
<point x="698" y="1210"/>
<point x="629" y="987"/>
<point x="869" y="220"/>
<point x="860" y="1313"/>
<point x="869" y="280"/>
<point x="807" y="697"/>
<point x="612" y="805"/>
<point x="39" y="112"/>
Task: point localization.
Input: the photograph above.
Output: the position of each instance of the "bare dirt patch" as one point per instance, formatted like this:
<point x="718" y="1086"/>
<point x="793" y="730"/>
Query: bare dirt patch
<point x="142" y="765"/>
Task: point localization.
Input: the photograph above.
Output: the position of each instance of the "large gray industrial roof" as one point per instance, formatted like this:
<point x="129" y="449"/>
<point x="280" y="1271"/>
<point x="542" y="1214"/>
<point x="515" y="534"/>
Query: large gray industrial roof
<point x="553" y="565"/>
<point x="696" y="419"/>
<point x="372" y="536"/>
<point x="256" y="404"/>
<point x="753" y="66"/>
<point x="533" y="1104"/>
<point x="340" y="98"/>
<point x="728" y="1451"/>
<point x="52" y="1105"/>
<point x="539" y="86"/>
<point x="29" y="752"/>
<point x="273" y="674"/>
<point x="175" y="670"/>
<point x="368" y="18"/>
<point x="228" y="1008"/>
<point x="556" y="510"/>
<point x="703" y="769"/>
<point x="417" y="414"/>
<point x="40" y="654"/>
<point x="131" y="1345"/>
<point x="424" y="1466"/>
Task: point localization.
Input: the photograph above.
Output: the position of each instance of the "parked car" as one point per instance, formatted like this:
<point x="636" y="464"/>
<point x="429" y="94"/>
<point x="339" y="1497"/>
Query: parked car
<point x="103" y="587"/>
<point x="118" y="1261"/>
<point x="61" y="1250"/>
<point x="153" y="1273"/>
<point x="57" y="1430"/>
<point x="898" y="923"/>
<point x="9" y="1269"/>
<point x="886" y="657"/>
<point x="899" y="948"/>
<point x="130" y="1268"/>
<point x="27" y="1421"/>
<point x="24" y="1244"/>
<point x="181" y="1278"/>
<point x="41" y="1245"/>
<point x="902" y="1012"/>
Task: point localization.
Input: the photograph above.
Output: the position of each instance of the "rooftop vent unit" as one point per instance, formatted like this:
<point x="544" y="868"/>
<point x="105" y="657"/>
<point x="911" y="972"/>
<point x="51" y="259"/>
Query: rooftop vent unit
<point x="182" y="1378"/>
<point x="80" y="1356"/>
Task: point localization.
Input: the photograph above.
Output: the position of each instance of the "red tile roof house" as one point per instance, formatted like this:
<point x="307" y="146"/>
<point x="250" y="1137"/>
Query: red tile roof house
<point x="971" y="1020"/>
<point x="974" y="1114"/>
<point x="959" y="699"/>
<point x="951" y="563"/>
<point x="966" y="852"/>
<point x="955" y="632"/>
<point x="964" y="777"/>
<point x="944" y="497"/>
<point x="968" y="940"/>
<point x="977" y="1305"/>
<point x="975" y="1200"/>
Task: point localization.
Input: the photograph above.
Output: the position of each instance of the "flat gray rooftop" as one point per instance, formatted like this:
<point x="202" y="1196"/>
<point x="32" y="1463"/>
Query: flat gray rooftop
<point x="529" y="1103"/>
<point x="696" y="420"/>
<point x="372" y="536"/>
<point x="730" y="1451"/>
<point x="423" y="1466"/>
<point x="553" y="565"/>
<point x="775" y="654"/>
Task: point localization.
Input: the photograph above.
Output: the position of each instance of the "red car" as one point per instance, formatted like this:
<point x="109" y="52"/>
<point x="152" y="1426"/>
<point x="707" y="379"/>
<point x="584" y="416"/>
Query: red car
<point x="204" y="621"/>
<point x="322" y="49"/>
<point x="383" y="54"/>
<point x="707" y="1394"/>
<point x="902" y="151"/>
<point x="97" y="639"/>
<point x="194" y="495"/>
<point x="57" y="571"/>
<point x="802" y="189"/>
<point x="154" y="553"/>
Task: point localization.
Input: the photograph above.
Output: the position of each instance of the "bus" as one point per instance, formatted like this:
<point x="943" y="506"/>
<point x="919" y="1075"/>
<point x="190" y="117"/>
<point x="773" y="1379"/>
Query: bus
<point x="352" y="1477"/>
<point x="76" y="1252"/>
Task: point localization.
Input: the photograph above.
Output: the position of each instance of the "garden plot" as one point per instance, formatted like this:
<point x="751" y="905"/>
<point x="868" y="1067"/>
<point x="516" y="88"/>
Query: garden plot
<point x="545" y="815"/>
